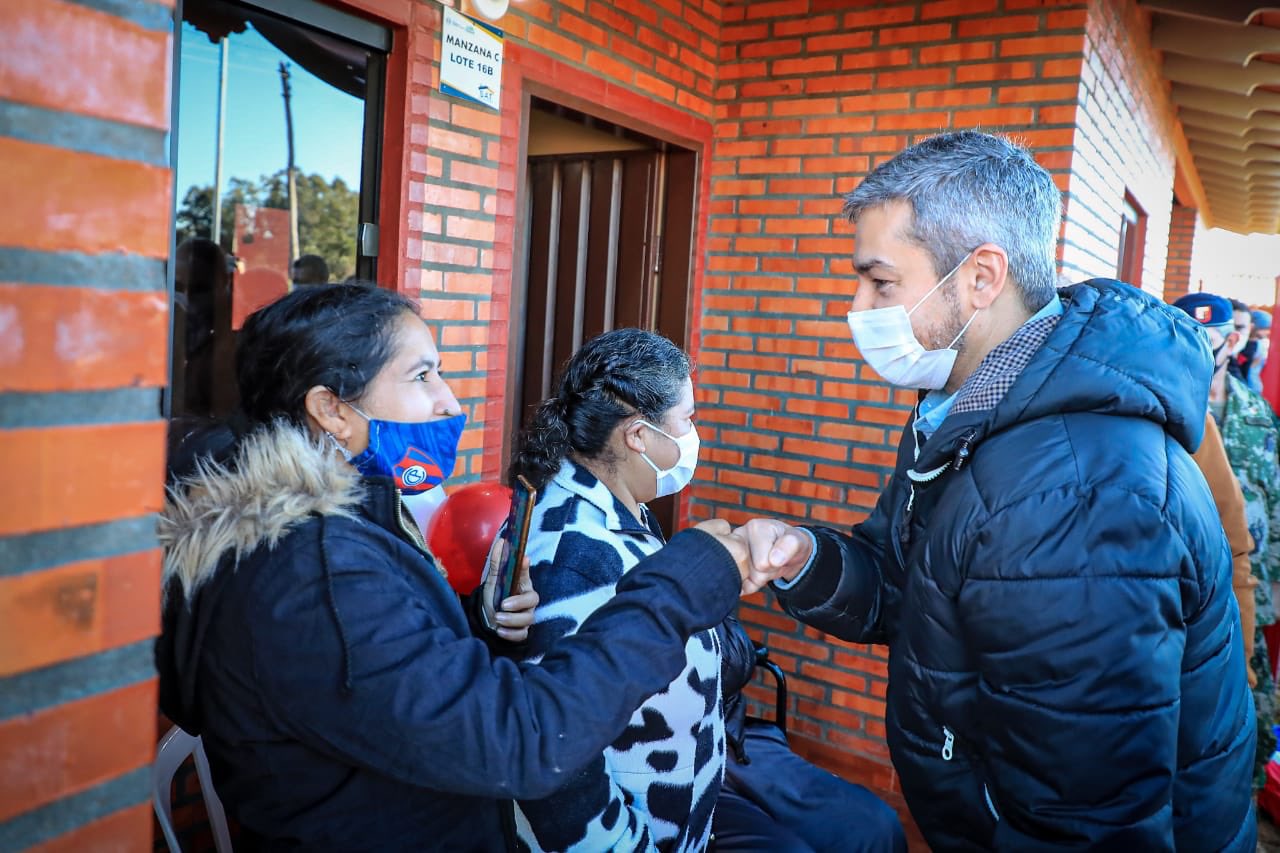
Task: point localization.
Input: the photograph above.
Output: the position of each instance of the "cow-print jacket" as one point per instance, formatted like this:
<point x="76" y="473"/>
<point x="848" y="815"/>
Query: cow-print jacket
<point x="655" y="788"/>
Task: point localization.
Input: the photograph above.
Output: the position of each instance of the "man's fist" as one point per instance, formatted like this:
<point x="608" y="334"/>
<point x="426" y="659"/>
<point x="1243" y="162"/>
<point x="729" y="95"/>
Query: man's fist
<point x="778" y="550"/>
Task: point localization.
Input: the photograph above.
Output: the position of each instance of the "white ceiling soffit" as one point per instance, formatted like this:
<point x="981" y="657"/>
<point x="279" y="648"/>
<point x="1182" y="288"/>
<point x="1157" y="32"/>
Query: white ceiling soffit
<point x="1222" y="58"/>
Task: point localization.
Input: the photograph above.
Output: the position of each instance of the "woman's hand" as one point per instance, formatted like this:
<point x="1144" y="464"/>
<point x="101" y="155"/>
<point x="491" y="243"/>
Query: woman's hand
<point x="778" y="550"/>
<point x="714" y="526"/>
<point x="516" y="614"/>
<point x="736" y="545"/>
<point x="512" y="620"/>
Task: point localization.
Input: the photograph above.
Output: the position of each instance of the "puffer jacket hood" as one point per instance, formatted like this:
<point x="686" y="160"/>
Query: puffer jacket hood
<point x="1116" y="351"/>
<point x="277" y="478"/>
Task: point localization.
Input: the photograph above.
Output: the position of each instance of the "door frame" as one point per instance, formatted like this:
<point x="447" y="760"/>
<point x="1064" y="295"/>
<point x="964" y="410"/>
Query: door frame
<point x="528" y="73"/>
<point x="414" y="28"/>
<point x="413" y="31"/>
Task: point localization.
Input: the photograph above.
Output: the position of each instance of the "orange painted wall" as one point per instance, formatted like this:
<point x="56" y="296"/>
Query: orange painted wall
<point x="84" y="325"/>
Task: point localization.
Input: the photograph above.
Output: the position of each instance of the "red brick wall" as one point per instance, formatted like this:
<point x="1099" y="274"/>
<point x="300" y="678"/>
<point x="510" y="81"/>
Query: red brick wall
<point x="804" y="96"/>
<point x="84" y="112"/>
<point x="652" y="63"/>
<point x="1126" y="139"/>
<point x="451" y="221"/>
<point x="811" y="95"/>
<point x="1182" y="239"/>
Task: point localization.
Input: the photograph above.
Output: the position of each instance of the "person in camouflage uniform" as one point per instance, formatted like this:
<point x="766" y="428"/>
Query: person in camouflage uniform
<point x="1250" y="437"/>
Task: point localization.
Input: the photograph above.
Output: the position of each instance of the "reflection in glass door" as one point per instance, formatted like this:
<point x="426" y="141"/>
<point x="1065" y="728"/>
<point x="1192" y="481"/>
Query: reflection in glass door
<point x="278" y="128"/>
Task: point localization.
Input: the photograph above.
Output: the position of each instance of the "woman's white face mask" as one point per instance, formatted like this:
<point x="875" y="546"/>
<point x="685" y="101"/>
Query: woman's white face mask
<point x="673" y="479"/>
<point x="888" y="343"/>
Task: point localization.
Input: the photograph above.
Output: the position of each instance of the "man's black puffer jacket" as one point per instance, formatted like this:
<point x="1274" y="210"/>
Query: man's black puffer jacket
<point x="1065" y="660"/>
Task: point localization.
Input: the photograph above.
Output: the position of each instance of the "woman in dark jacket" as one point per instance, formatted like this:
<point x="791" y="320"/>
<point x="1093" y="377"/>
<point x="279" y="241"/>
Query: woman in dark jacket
<point x="344" y="698"/>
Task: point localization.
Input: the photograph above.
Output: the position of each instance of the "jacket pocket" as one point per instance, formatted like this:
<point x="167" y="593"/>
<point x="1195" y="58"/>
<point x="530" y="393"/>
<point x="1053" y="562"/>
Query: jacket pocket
<point x="991" y="803"/>
<point x="948" y="752"/>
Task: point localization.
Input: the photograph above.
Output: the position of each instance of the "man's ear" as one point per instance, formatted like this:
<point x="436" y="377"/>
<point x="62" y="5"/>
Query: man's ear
<point x="990" y="274"/>
<point x="327" y="411"/>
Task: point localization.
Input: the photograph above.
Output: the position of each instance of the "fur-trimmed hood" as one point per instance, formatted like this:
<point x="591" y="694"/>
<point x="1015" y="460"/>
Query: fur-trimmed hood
<point x="277" y="478"/>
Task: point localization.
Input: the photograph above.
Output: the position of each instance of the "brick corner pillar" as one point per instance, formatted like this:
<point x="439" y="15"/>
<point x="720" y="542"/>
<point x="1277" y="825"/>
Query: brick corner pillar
<point x="84" y="328"/>
<point x="1182" y="238"/>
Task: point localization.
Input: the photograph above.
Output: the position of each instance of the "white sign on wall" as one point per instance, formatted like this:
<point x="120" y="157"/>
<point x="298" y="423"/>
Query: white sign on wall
<point x="471" y="59"/>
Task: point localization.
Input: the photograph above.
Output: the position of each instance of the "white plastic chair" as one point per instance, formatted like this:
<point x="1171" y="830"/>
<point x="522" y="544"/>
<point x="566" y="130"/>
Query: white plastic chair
<point x="173" y="750"/>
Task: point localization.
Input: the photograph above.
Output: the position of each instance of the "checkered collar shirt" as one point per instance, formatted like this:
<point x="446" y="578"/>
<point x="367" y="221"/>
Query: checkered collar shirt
<point x="1000" y="369"/>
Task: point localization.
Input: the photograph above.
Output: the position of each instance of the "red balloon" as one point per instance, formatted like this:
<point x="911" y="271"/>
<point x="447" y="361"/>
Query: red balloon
<point x="463" y="528"/>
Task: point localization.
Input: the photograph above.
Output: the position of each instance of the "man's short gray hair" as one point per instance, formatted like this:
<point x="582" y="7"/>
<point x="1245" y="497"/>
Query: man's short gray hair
<point x="968" y="188"/>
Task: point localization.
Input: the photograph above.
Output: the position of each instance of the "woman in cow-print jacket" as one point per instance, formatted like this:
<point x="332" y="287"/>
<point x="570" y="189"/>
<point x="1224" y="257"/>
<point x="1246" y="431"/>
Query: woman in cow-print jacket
<point x="618" y="433"/>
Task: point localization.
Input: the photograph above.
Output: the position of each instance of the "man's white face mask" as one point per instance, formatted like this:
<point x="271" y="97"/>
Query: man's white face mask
<point x="1218" y="346"/>
<point x="886" y="340"/>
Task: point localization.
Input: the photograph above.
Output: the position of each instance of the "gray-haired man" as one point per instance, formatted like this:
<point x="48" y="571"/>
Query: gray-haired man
<point x="1047" y="565"/>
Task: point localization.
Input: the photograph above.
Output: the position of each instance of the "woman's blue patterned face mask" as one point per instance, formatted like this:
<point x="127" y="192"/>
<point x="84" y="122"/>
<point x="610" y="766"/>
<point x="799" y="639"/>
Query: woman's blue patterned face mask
<point x="418" y="456"/>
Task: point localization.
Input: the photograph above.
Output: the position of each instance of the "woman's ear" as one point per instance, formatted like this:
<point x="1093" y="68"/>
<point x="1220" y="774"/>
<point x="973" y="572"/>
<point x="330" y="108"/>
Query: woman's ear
<point x="633" y="436"/>
<point x="327" y="413"/>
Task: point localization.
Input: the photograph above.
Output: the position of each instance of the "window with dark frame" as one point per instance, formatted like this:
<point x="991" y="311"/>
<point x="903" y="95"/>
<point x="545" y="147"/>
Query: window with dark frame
<point x="277" y="155"/>
<point x="1133" y="239"/>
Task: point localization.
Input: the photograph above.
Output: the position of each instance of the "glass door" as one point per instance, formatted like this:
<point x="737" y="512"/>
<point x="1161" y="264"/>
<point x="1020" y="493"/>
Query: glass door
<point x="279" y="110"/>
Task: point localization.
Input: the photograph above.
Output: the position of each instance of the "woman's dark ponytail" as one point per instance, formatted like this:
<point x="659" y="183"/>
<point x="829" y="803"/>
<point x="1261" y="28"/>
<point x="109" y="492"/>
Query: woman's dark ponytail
<point x="613" y="376"/>
<point x="543" y="444"/>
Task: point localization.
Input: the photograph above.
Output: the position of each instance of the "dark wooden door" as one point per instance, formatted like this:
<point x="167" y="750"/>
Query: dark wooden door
<point x="610" y="245"/>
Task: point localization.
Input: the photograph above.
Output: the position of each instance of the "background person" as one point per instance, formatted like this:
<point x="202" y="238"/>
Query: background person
<point x="1242" y="321"/>
<point x="204" y="341"/>
<point x="1249" y="437"/>
<point x="1256" y="350"/>
<point x="1211" y="459"/>
<point x="309" y="269"/>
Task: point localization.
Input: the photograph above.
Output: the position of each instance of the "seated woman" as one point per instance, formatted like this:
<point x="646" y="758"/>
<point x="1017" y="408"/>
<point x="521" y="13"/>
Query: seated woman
<point x="619" y="432"/>
<point x="344" y="697"/>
